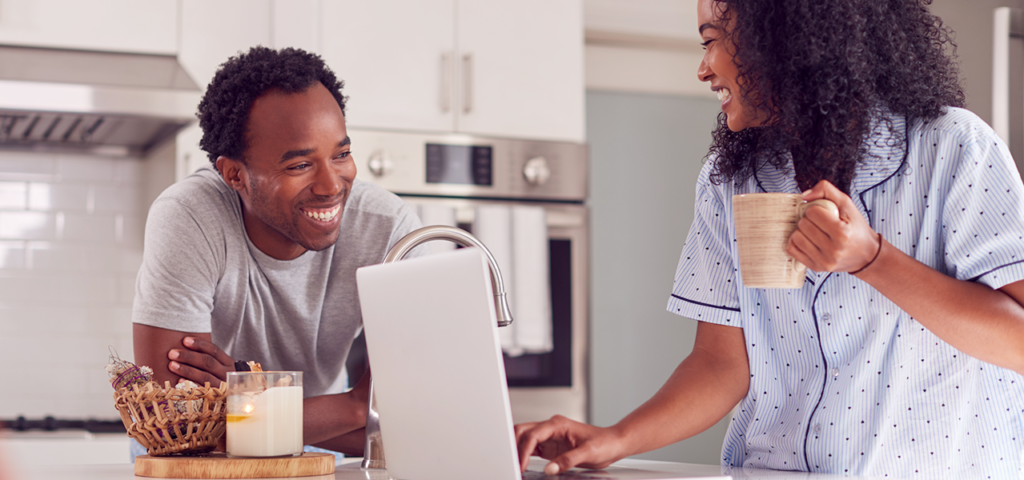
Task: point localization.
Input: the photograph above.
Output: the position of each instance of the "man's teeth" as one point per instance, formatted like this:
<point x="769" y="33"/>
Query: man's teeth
<point x="324" y="216"/>
<point x="723" y="94"/>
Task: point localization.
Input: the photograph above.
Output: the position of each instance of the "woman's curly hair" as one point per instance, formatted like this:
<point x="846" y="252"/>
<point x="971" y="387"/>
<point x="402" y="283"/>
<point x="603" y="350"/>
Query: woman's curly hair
<point x="224" y="111"/>
<point x="820" y="72"/>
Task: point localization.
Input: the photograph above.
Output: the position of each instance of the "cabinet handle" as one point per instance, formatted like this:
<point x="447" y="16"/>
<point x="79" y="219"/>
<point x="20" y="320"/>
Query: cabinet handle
<point x="446" y="82"/>
<point x="467" y="83"/>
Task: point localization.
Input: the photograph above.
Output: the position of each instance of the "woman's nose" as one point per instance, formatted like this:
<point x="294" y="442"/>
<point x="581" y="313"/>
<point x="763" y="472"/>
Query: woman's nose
<point x="704" y="72"/>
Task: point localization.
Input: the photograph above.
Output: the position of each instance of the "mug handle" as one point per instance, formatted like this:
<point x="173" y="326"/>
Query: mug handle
<point x="821" y="202"/>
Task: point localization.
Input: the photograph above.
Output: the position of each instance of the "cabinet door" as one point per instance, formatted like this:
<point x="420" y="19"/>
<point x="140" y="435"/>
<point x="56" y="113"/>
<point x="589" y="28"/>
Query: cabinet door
<point x="148" y="26"/>
<point x="211" y="32"/>
<point x="521" y="68"/>
<point x="395" y="57"/>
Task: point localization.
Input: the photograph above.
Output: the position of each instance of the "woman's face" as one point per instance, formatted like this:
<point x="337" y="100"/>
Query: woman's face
<point x="719" y="65"/>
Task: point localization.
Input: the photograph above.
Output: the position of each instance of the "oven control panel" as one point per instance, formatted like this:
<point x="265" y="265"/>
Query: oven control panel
<point x="456" y="165"/>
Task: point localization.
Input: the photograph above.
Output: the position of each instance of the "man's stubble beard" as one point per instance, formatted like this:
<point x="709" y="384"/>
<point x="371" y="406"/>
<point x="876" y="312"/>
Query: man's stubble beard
<point x="263" y="209"/>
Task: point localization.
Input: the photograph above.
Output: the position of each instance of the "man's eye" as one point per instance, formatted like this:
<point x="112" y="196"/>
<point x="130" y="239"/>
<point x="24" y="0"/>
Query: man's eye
<point x="300" y="167"/>
<point x="344" y="154"/>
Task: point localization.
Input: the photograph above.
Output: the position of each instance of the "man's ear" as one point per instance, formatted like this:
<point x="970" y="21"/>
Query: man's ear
<point x="234" y="173"/>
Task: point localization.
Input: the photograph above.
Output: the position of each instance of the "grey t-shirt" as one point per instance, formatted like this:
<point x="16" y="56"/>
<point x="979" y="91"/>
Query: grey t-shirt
<point x="201" y="273"/>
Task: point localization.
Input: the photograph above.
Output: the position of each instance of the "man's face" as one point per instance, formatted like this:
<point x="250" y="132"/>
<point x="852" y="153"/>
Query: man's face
<point x="298" y="172"/>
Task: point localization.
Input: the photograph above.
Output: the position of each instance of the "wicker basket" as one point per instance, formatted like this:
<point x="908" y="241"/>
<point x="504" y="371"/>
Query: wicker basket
<point x="168" y="420"/>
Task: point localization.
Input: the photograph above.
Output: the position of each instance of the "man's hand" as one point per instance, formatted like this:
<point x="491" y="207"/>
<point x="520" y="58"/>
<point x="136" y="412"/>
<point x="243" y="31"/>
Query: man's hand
<point x="201" y="361"/>
<point x="567" y="444"/>
<point x="825" y="243"/>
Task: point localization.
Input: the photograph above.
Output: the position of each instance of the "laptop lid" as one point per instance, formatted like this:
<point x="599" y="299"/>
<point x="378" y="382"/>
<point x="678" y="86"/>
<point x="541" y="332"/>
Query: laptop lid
<point x="438" y="373"/>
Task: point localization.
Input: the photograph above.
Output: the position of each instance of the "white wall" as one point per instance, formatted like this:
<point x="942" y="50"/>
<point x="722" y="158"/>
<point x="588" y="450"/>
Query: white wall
<point x="972" y="24"/>
<point x="71" y="232"/>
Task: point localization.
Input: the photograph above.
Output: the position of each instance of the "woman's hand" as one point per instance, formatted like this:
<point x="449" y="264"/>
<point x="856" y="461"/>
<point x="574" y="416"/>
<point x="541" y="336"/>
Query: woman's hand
<point x="825" y="243"/>
<point x="201" y="361"/>
<point x="568" y="443"/>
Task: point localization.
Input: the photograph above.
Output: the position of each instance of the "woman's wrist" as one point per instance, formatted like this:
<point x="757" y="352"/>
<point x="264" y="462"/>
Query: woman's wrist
<point x="878" y="252"/>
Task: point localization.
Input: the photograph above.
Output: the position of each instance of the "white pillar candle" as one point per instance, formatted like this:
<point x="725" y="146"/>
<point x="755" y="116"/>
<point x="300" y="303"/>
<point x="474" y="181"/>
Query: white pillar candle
<point x="265" y="424"/>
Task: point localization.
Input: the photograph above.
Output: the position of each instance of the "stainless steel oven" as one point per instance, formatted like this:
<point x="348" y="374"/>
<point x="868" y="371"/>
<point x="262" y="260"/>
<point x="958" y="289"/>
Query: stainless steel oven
<point x="465" y="173"/>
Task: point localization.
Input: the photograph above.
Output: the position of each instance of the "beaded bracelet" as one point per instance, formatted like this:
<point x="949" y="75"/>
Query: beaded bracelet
<point x="873" y="259"/>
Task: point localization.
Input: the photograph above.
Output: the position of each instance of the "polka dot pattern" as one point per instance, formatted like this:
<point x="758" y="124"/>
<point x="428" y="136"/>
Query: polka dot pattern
<point x="842" y="380"/>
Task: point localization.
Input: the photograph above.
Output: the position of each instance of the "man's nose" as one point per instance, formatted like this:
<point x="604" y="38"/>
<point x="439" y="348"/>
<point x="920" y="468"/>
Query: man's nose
<point x="327" y="182"/>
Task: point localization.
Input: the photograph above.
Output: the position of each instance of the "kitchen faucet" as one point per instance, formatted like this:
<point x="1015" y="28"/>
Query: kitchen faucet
<point x="373" y="452"/>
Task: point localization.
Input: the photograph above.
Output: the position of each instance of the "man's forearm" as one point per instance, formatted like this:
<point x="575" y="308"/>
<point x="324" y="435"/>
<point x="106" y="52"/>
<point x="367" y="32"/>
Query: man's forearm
<point x="984" y="323"/>
<point x="351" y="443"/>
<point x="329" y="416"/>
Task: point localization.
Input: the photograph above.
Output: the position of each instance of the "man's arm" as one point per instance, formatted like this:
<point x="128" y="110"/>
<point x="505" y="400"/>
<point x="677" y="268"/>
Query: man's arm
<point x="701" y="391"/>
<point x="171" y="356"/>
<point x="330" y="421"/>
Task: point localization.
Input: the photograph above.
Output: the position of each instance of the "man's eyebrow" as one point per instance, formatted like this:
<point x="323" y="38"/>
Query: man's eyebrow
<point x="705" y="27"/>
<point x="290" y="154"/>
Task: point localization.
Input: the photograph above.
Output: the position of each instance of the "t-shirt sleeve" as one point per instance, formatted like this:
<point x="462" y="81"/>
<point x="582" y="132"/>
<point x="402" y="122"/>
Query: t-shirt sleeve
<point x="178" y="277"/>
<point x="406" y="221"/>
<point x="983" y="216"/>
<point x="705" y="281"/>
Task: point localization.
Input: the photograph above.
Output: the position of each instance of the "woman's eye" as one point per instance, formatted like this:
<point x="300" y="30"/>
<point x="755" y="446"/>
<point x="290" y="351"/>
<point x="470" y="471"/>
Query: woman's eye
<point x="704" y="45"/>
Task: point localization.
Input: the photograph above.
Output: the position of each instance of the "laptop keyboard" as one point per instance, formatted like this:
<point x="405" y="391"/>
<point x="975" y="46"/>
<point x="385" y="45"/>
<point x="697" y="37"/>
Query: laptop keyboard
<point x="572" y="474"/>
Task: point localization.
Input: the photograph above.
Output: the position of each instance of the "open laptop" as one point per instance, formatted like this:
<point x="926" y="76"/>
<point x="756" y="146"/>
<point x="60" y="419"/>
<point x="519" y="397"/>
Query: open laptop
<point x="438" y="374"/>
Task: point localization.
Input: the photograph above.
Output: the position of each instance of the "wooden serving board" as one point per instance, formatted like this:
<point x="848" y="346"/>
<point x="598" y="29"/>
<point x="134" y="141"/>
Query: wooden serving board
<point x="218" y="465"/>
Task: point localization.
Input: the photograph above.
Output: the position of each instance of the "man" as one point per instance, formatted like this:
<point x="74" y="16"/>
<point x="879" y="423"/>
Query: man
<point x="255" y="259"/>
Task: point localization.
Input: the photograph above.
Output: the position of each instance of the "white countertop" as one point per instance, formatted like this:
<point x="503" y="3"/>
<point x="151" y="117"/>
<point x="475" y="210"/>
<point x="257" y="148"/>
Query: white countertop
<point x="350" y="471"/>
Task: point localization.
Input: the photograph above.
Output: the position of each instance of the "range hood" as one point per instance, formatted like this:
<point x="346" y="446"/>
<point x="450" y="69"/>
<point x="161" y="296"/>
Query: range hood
<point x="93" y="102"/>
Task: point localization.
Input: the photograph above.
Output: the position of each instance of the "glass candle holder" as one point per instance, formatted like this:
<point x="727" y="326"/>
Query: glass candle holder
<point x="264" y="414"/>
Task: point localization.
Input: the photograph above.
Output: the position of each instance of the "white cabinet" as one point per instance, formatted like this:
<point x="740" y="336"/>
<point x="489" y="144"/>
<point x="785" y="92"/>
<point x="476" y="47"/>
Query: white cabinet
<point x="148" y="26"/>
<point x="213" y="31"/>
<point x="489" y="67"/>
<point x="396" y="59"/>
<point x="521" y="68"/>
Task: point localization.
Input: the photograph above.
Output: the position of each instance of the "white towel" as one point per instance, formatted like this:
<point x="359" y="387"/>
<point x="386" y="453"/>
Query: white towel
<point x="532" y="283"/>
<point x="493" y="227"/>
<point x="438" y="215"/>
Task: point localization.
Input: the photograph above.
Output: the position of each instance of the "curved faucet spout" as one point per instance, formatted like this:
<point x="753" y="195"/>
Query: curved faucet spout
<point x="463" y="238"/>
<point x="373" y="452"/>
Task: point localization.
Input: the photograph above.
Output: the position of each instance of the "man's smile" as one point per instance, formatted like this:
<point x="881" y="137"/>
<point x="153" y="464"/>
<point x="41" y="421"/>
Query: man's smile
<point x="322" y="214"/>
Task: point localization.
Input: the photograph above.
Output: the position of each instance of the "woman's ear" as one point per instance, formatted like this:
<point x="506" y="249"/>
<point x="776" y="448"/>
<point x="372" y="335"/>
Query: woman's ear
<point x="234" y="173"/>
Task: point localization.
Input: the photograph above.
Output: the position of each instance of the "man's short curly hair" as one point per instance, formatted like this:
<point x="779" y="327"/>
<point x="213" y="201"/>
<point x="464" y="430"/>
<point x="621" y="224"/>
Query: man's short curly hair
<point x="822" y="72"/>
<point x="224" y="111"/>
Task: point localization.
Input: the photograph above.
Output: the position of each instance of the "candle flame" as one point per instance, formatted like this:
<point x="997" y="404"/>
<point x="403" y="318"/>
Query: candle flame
<point x="248" y="408"/>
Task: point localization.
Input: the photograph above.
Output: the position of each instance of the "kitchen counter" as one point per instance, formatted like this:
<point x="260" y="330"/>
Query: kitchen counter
<point x="350" y="471"/>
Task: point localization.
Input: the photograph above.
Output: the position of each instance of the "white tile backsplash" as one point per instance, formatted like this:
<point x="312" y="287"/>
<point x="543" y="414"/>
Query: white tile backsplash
<point x="13" y="195"/>
<point x="71" y="229"/>
<point x="27" y="225"/>
<point x="12" y="255"/>
<point x="52" y="196"/>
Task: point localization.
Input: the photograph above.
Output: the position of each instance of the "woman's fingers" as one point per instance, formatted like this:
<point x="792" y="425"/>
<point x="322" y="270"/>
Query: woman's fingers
<point x="567" y="444"/>
<point x="545" y="439"/>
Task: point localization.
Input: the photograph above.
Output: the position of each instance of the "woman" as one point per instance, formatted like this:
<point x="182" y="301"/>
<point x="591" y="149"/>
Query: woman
<point x="903" y="352"/>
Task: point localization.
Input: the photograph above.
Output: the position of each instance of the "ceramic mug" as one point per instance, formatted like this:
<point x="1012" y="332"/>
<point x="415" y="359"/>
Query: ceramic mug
<point x="764" y="222"/>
